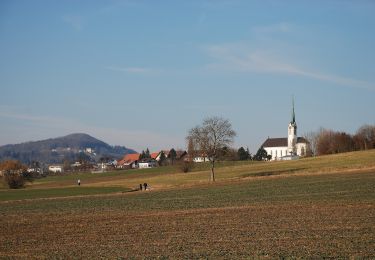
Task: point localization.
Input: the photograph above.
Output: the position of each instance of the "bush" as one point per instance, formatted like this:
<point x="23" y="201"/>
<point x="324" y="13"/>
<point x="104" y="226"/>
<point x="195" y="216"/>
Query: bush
<point x="14" y="180"/>
<point x="14" y="174"/>
<point x="186" y="166"/>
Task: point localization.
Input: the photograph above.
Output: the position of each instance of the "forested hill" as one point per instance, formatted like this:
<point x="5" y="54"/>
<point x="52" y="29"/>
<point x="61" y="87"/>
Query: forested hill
<point x="56" y="150"/>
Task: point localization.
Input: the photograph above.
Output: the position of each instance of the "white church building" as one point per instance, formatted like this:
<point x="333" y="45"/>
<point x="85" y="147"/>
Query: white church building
<point x="287" y="148"/>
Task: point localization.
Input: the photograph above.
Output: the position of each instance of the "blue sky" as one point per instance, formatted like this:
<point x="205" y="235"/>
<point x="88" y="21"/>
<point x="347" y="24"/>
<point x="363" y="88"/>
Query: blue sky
<point x="142" y="73"/>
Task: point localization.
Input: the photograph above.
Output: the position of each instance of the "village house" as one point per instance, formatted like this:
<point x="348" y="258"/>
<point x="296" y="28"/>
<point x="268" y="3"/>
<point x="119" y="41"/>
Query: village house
<point x="147" y="163"/>
<point x="130" y="161"/>
<point x="56" y="168"/>
<point x="35" y="170"/>
<point x="201" y="158"/>
<point x="156" y="156"/>
<point x="180" y="155"/>
<point x="104" y="166"/>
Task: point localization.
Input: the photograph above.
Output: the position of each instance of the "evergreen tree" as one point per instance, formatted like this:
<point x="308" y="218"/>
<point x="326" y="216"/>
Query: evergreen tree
<point x="261" y="155"/>
<point x="242" y="154"/>
<point x="147" y="154"/>
<point x="172" y="155"/>
<point x="142" y="155"/>
<point x="162" y="159"/>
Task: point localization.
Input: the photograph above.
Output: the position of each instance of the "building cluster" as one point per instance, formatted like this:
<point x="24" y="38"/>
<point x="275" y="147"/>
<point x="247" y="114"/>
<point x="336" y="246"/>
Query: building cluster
<point x="134" y="161"/>
<point x="87" y="150"/>
<point x="286" y="148"/>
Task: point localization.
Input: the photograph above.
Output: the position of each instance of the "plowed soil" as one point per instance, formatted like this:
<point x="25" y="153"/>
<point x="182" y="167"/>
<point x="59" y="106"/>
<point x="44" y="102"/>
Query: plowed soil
<point x="327" y="216"/>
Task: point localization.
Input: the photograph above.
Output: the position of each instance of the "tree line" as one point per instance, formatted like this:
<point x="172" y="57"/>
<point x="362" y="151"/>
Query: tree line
<point x="327" y="141"/>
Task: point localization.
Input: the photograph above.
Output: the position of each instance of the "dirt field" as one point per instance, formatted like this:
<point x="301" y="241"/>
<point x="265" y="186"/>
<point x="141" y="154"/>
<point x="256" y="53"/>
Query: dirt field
<point x="299" y="216"/>
<point x="286" y="230"/>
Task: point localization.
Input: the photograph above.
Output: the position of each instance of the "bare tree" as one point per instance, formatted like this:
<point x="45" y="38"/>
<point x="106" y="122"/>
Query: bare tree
<point x="331" y="142"/>
<point x="325" y="142"/>
<point x="312" y="139"/>
<point x="192" y="149"/>
<point x="365" y="136"/>
<point x="210" y="138"/>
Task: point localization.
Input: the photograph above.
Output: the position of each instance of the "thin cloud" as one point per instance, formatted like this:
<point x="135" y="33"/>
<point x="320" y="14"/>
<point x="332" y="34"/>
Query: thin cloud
<point x="235" y="57"/>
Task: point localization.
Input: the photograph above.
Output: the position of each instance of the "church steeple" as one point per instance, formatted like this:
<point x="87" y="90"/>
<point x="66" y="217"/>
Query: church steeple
<point x="292" y="132"/>
<point x="293" y="114"/>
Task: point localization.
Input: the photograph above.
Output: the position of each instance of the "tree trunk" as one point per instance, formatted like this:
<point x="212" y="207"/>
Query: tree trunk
<point x="213" y="171"/>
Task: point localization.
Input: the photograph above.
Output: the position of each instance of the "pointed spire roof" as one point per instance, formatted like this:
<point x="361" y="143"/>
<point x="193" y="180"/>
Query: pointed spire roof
<point x="293" y="114"/>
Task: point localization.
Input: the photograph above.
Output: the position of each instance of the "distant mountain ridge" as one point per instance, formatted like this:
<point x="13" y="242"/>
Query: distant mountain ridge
<point x="58" y="150"/>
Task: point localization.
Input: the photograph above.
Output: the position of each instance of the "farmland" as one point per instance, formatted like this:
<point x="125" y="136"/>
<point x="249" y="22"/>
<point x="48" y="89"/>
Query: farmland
<point x="316" y="207"/>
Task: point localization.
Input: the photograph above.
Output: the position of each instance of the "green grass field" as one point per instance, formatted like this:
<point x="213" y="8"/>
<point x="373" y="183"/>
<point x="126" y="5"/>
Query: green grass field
<point x="172" y="177"/>
<point x="312" y="208"/>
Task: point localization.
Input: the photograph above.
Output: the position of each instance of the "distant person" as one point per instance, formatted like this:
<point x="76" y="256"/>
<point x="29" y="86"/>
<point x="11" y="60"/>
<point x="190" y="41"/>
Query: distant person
<point x="140" y="186"/>
<point x="79" y="182"/>
<point x="145" y="185"/>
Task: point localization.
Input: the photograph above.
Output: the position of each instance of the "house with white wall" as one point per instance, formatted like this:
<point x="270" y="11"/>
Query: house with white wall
<point x="288" y="148"/>
<point x="200" y="159"/>
<point x="147" y="163"/>
<point x="56" y="168"/>
<point x="130" y="161"/>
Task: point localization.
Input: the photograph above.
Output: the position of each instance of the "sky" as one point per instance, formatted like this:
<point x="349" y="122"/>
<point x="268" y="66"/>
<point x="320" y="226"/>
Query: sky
<point x="142" y="73"/>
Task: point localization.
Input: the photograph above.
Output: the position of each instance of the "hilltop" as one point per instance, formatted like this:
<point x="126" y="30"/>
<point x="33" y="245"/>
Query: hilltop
<point x="56" y="150"/>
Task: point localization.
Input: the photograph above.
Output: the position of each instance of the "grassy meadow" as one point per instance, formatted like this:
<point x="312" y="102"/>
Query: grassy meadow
<point x="311" y="208"/>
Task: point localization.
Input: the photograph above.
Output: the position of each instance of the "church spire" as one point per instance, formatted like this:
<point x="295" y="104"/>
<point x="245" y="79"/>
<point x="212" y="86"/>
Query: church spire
<point x="293" y="114"/>
<point x="292" y="132"/>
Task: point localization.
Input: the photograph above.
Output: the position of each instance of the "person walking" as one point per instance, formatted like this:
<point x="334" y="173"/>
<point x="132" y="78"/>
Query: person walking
<point x="79" y="182"/>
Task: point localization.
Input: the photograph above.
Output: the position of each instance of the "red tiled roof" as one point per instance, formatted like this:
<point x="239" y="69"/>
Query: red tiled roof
<point x="129" y="158"/>
<point x="132" y="157"/>
<point x="154" y="155"/>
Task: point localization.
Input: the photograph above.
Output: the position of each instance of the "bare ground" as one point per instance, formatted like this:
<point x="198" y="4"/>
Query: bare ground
<point x="261" y="231"/>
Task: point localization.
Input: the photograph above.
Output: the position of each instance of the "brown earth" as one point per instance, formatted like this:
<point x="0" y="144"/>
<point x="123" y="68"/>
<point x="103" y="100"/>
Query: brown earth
<point x="306" y="230"/>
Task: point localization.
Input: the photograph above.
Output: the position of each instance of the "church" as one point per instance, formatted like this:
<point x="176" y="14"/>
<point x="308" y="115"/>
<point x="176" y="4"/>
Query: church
<point x="288" y="148"/>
